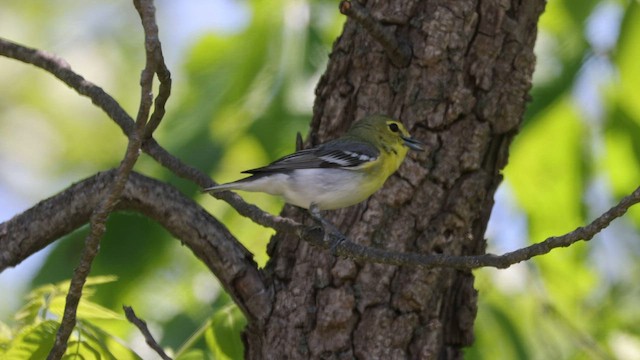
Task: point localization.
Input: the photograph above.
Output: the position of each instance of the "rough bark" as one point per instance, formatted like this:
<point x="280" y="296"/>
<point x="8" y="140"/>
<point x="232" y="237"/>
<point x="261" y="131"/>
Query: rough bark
<point x="463" y="93"/>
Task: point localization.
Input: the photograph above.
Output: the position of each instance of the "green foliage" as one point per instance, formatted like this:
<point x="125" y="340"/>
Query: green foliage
<point x="238" y="100"/>
<point x="38" y="321"/>
<point x="223" y="336"/>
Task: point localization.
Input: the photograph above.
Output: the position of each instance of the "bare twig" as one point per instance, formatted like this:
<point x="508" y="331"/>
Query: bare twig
<point x="155" y="62"/>
<point x="142" y="325"/>
<point x="101" y="213"/>
<point x="92" y="243"/>
<point x="347" y="248"/>
<point x="399" y="52"/>
<point x="90" y="250"/>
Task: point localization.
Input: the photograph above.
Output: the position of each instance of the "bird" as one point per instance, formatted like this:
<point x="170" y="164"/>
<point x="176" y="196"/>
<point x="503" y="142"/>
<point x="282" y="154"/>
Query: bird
<point x="338" y="173"/>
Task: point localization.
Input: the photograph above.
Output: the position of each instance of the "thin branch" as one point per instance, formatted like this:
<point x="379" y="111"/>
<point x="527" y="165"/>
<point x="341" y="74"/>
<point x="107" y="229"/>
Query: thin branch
<point x="169" y="161"/>
<point x="208" y="239"/>
<point x="344" y="247"/>
<point x="142" y="325"/>
<point x="399" y="52"/>
<point x="164" y="76"/>
<point x="99" y="217"/>
<point x="146" y="10"/>
<point x="90" y="250"/>
<point x="92" y="244"/>
<point x="155" y="62"/>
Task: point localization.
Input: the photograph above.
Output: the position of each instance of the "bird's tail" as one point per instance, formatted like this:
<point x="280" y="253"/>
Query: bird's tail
<point x="221" y="187"/>
<point x="242" y="184"/>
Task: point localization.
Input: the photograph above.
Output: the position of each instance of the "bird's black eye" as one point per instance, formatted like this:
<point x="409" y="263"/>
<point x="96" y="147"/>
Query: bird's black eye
<point x="394" y="127"/>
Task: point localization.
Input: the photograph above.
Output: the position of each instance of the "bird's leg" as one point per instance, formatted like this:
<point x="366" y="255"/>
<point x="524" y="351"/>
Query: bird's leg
<point x="328" y="229"/>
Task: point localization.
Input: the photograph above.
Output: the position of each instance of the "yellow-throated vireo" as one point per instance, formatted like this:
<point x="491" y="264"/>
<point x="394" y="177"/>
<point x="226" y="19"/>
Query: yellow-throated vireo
<point x="338" y="173"/>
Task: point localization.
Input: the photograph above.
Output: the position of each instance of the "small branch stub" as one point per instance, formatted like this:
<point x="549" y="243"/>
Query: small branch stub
<point x="142" y="326"/>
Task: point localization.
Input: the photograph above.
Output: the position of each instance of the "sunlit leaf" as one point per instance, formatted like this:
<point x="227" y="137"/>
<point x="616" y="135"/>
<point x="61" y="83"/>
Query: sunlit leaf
<point x="30" y="311"/>
<point x="33" y="342"/>
<point x="6" y="335"/>
<point x="107" y="344"/>
<point x="194" y="354"/>
<point x="82" y="350"/>
<point x="223" y="337"/>
<point x="87" y="310"/>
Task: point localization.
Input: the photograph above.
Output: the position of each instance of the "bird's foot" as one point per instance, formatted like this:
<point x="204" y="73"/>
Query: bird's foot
<point x="331" y="233"/>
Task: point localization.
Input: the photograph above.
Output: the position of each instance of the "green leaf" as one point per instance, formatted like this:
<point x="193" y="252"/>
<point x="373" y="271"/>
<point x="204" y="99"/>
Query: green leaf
<point x="510" y="332"/>
<point x="109" y="345"/>
<point x="51" y="299"/>
<point x="193" y="354"/>
<point x="87" y="310"/>
<point x="33" y="342"/>
<point x="223" y="337"/>
<point x="82" y="350"/>
<point x="6" y="336"/>
<point x="30" y="311"/>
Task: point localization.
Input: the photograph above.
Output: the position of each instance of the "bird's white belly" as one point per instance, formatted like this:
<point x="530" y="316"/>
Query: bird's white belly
<point x="327" y="188"/>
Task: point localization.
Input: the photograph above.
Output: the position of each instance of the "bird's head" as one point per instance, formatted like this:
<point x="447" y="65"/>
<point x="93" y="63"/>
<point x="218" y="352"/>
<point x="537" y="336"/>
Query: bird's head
<point x="385" y="133"/>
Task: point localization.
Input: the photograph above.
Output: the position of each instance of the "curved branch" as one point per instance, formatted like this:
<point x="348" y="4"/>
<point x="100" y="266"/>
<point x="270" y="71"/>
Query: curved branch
<point x="207" y="238"/>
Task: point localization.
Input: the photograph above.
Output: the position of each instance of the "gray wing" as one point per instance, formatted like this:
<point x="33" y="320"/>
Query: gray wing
<point x="333" y="154"/>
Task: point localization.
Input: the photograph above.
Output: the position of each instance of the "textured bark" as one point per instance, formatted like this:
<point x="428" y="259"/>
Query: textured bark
<point x="463" y="93"/>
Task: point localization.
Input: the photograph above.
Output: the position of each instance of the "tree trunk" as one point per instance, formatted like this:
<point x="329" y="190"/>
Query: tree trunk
<point x="463" y="93"/>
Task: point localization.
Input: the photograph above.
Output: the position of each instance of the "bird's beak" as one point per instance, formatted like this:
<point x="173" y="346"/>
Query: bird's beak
<point x="413" y="144"/>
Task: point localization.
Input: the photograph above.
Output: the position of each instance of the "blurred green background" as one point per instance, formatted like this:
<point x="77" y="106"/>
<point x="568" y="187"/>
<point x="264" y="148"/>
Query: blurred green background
<point x="244" y="74"/>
